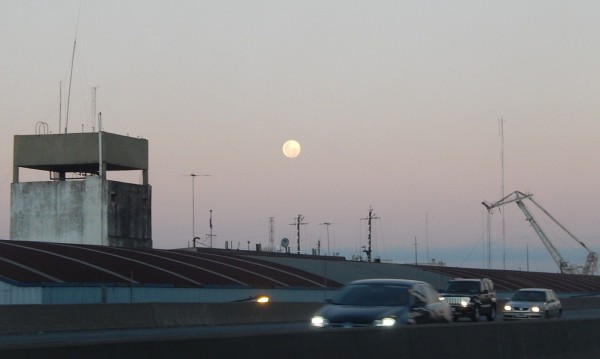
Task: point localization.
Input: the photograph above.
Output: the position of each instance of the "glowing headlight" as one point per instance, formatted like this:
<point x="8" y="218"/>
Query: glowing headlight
<point x="535" y="309"/>
<point x="318" y="321"/>
<point x="464" y="301"/>
<point x="441" y="299"/>
<point x="263" y="299"/>
<point x="385" y="322"/>
<point x="507" y="308"/>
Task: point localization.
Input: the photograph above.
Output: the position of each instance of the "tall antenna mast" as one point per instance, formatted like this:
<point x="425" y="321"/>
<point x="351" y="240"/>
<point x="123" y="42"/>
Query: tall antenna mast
<point x="370" y="221"/>
<point x="501" y="120"/>
<point x="298" y="222"/>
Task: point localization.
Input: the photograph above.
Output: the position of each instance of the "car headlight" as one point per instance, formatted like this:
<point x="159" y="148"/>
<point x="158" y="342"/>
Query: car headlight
<point x="535" y="309"/>
<point x="385" y="322"/>
<point x="507" y="307"/>
<point x="441" y="298"/>
<point x="465" y="301"/>
<point x="318" y="321"/>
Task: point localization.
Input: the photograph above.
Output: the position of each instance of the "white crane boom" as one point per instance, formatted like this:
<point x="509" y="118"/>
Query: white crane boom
<point x="591" y="263"/>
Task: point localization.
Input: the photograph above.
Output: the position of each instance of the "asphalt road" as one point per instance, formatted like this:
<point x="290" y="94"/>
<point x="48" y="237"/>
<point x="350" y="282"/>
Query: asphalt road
<point x="56" y="339"/>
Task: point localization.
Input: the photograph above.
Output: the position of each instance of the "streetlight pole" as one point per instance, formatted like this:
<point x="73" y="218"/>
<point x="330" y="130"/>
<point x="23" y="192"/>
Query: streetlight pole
<point x="327" y="224"/>
<point x="193" y="175"/>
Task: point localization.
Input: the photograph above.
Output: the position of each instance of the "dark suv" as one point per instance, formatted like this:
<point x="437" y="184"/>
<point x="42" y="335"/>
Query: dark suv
<point x="470" y="298"/>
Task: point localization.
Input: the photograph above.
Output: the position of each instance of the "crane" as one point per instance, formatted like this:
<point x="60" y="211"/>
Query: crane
<point x="591" y="263"/>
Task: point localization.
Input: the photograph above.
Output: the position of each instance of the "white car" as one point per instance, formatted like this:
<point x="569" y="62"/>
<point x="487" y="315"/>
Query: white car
<point x="533" y="303"/>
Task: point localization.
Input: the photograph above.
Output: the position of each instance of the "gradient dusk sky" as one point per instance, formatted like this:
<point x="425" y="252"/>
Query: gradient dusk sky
<point x="396" y="105"/>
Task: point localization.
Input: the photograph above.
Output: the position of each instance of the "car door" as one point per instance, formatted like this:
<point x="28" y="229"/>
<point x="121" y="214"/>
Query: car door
<point x="553" y="304"/>
<point x="422" y="310"/>
<point x="486" y="298"/>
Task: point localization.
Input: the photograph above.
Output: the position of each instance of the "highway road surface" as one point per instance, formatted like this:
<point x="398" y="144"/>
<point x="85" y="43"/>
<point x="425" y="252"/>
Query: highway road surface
<point x="55" y="339"/>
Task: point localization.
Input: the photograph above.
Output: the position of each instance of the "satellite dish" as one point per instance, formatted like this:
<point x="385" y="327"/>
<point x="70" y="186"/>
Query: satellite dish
<point x="285" y="242"/>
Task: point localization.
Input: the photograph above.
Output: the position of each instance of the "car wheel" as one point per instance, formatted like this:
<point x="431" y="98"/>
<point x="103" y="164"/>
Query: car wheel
<point x="559" y="313"/>
<point x="492" y="315"/>
<point x="476" y="314"/>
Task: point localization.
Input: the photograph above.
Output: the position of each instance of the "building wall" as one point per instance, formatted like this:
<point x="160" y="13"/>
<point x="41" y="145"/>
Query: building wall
<point x="49" y="211"/>
<point x="129" y="215"/>
<point x="91" y="211"/>
<point x="12" y="294"/>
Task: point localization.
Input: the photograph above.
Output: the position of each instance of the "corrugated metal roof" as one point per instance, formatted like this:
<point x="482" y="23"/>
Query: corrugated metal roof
<point x="37" y="263"/>
<point x="510" y="280"/>
<point x="40" y="263"/>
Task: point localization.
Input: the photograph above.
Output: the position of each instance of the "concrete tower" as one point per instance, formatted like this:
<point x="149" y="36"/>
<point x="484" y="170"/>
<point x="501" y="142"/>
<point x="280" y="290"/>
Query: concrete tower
<point x="78" y="204"/>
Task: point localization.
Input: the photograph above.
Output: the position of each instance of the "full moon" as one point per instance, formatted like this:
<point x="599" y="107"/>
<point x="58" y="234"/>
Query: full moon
<point x="291" y="149"/>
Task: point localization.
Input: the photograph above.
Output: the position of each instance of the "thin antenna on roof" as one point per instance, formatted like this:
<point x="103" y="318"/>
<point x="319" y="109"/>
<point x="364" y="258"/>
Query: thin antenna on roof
<point x="93" y="124"/>
<point x="71" y="74"/>
<point x="59" y="106"/>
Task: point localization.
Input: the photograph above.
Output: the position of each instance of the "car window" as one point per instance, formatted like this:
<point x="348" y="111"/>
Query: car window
<point x="530" y="296"/>
<point x="373" y="295"/>
<point x="462" y="287"/>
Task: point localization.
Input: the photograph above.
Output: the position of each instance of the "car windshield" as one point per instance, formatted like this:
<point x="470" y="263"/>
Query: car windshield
<point x="529" y="296"/>
<point x="373" y="295"/>
<point x="461" y="287"/>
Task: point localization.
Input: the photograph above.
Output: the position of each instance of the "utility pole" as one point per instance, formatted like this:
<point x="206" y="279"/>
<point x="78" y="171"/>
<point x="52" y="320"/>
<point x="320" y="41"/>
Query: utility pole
<point x="210" y="226"/>
<point x="427" y="236"/>
<point x="298" y="222"/>
<point x="327" y="224"/>
<point x="271" y="234"/>
<point x="528" y="257"/>
<point x="370" y="221"/>
<point x="416" y="260"/>
<point x="193" y="175"/>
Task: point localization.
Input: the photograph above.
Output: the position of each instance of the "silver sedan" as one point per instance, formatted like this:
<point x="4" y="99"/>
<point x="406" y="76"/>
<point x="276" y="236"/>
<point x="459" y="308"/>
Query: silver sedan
<point x="532" y="303"/>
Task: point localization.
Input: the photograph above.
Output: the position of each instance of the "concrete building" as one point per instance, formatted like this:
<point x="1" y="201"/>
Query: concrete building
<point x="78" y="205"/>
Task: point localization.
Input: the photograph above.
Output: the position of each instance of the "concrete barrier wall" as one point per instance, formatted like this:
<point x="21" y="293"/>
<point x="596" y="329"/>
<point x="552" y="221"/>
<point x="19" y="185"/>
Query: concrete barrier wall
<point x="536" y="339"/>
<point x="16" y="319"/>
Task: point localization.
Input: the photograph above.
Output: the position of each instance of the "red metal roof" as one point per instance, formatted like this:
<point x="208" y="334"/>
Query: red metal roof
<point x="40" y="263"/>
<point x="511" y="280"/>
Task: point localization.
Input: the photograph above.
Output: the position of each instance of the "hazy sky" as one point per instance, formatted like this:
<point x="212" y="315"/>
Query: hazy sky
<point x="396" y="105"/>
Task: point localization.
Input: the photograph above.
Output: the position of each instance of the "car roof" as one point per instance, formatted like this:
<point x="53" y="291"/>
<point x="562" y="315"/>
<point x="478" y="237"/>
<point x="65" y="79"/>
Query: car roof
<point x="404" y="282"/>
